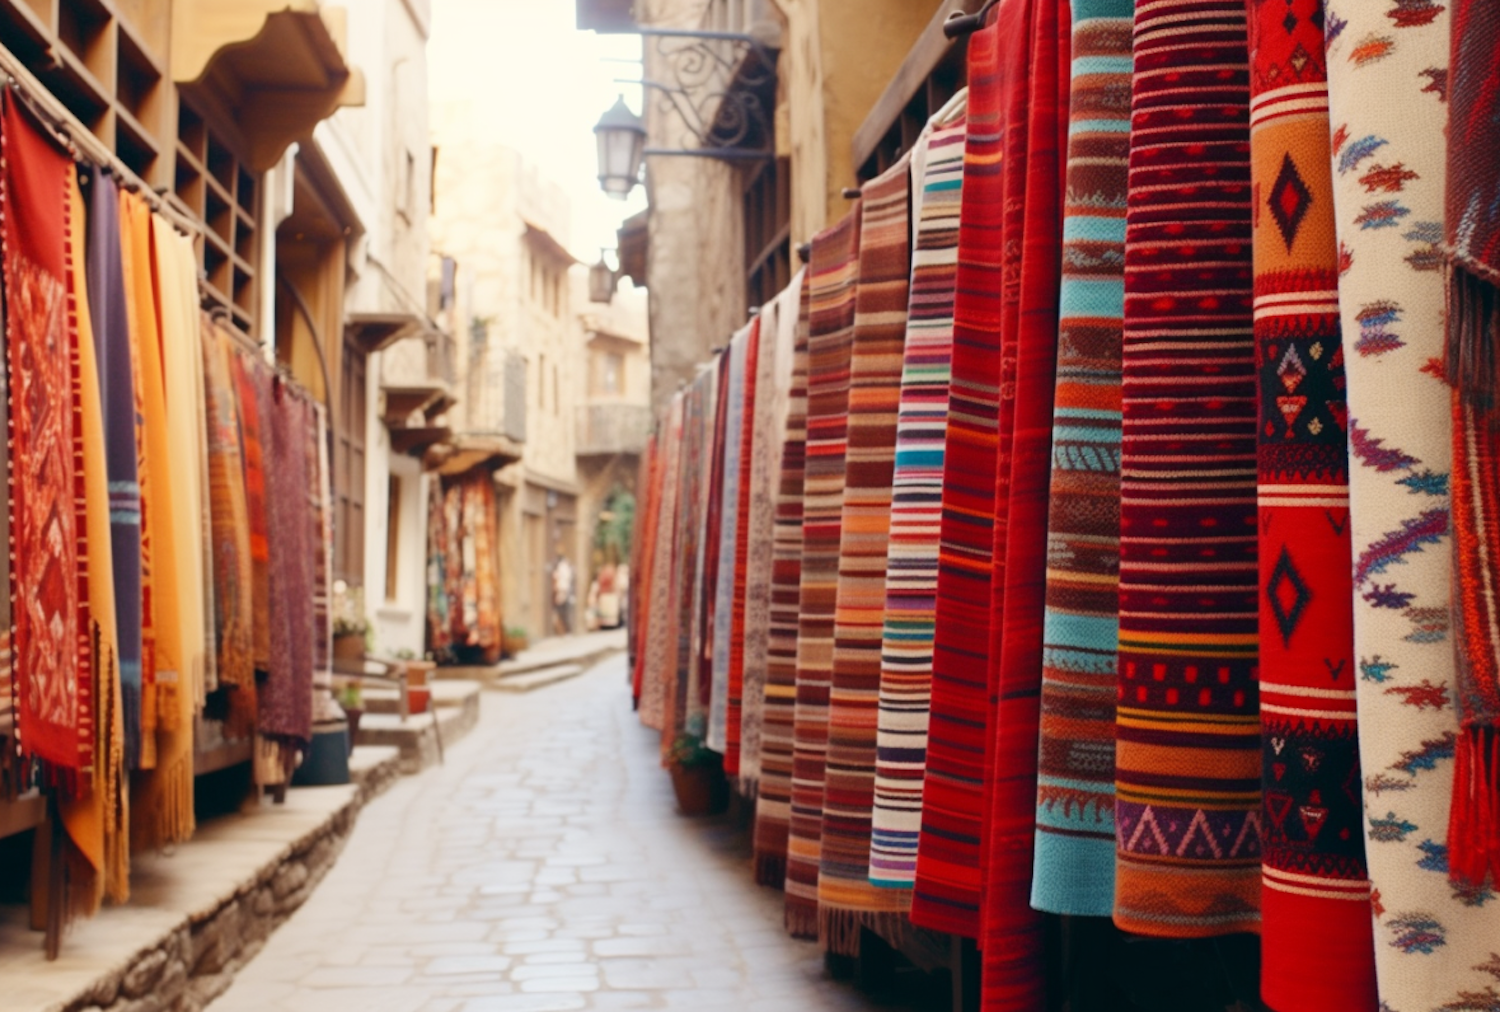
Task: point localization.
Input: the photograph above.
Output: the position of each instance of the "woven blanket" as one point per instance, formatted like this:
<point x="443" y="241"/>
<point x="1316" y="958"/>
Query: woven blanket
<point x="734" y="689"/>
<point x="475" y="547"/>
<point x="234" y="594"/>
<point x="1473" y="356"/>
<point x="286" y="693"/>
<point x="1316" y="949"/>
<point x="161" y="799"/>
<point x="1075" y="852"/>
<point x="846" y="898"/>
<point x="773" y="385"/>
<point x="439" y="548"/>
<point x="111" y="322"/>
<point x="773" y="802"/>
<point x="660" y="629"/>
<point x="686" y="593"/>
<point x="1388" y="152"/>
<point x="253" y="447"/>
<point x="643" y="550"/>
<point x="53" y="677"/>
<point x="916" y="515"/>
<point x="729" y="559"/>
<point x="1011" y="928"/>
<point x="834" y="286"/>
<point x="700" y="688"/>
<point x="1187" y="782"/>
<point x="946" y="882"/>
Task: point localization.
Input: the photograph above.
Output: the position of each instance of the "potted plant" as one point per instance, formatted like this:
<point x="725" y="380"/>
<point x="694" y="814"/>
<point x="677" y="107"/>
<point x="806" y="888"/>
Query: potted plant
<point x="350" y="696"/>
<point x="418" y="680"/>
<point x="351" y="630"/>
<point x="513" y="641"/>
<point x="697" y="776"/>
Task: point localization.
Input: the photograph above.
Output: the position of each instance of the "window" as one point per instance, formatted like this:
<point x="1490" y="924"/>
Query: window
<point x="609" y="374"/>
<point x="393" y="538"/>
<point x="349" y="470"/>
<point x="768" y="233"/>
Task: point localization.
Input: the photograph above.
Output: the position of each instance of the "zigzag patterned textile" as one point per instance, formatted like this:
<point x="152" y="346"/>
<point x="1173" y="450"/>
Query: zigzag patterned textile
<point x="1012" y="929"/>
<point x="947" y="891"/>
<point x="1075" y="851"/>
<point x="772" y="403"/>
<point x="846" y="898"/>
<point x="52" y="666"/>
<point x="730" y="491"/>
<point x="835" y="280"/>
<point x="1473" y="358"/>
<point x="773" y="809"/>
<point x="916" y="515"/>
<point x="1387" y="74"/>
<point x="1316" y="951"/>
<point x="1187" y="780"/>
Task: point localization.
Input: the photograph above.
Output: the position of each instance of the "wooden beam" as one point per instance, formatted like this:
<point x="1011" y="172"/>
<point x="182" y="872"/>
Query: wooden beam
<point x="919" y="64"/>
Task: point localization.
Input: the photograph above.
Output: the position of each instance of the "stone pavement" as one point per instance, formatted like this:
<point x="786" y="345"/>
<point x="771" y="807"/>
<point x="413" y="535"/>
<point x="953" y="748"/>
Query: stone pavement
<point x="542" y="869"/>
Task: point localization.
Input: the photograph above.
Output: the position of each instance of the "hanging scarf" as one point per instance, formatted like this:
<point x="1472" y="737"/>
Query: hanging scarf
<point x="253" y="443"/>
<point x="846" y="899"/>
<point x="162" y="798"/>
<point x="726" y="554"/>
<point x="1473" y="360"/>
<point x="1187" y="782"/>
<point x="946" y="896"/>
<point x="439" y="605"/>
<point x="643" y="550"/>
<point x="773" y="806"/>
<point x="234" y="595"/>
<point x="706" y="598"/>
<point x="773" y="384"/>
<point x="1075" y="839"/>
<point x="735" y="682"/>
<point x="835" y="280"/>
<point x="1388" y="145"/>
<point x="660" y="634"/>
<point x="697" y="415"/>
<point x="1317" y="950"/>
<point x="916" y="514"/>
<point x="111" y="319"/>
<point x="53" y="675"/>
<point x="286" y="694"/>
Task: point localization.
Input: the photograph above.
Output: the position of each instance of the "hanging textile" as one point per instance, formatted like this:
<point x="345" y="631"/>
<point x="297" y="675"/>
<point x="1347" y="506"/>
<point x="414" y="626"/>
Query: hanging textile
<point x="773" y="382"/>
<point x="737" y="364"/>
<point x="773" y="809"/>
<point x="94" y="812"/>
<point x="1187" y="808"/>
<point x="698" y="410"/>
<point x="916" y="511"/>
<point x="946" y="896"/>
<point x="1388" y="151"/>
<point x="161" y="798"/>
<point x="234" y="594"/>
<point x="706" y="598"/>
<point x="1317" y="951"/>
<point x="847" y="901"/>
<point x="735" y="686"/>
<point x="643" y="550"/>
<point x="252" y="440"/>
<point x="660" y="636"/>
<point x="469" y="550"/>
<point x="54" y="680"/>
<point x="439" y="605"/>
<point x="1473" y="360"/>
<point x="835" y="280"/>
<point x="111" y="322"/>
<point x="1075" y="839"/>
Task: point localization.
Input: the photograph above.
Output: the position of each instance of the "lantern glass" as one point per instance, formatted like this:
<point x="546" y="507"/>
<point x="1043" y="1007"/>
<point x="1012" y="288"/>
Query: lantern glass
<point x="622" y="142"/>
<point x="601" y="282"/>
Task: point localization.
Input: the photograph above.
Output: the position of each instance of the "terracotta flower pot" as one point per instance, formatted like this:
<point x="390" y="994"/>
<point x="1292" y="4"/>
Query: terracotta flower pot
<point x="349" y="646"/>
<point x="701" y="790"/>
<point x="511" y="645"/>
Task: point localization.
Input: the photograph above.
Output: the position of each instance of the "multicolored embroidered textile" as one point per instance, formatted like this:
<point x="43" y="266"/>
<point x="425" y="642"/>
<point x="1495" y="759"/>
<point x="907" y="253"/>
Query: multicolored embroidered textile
<point x="734" y="690"/>
<point x="1473" y="359"/>
<point x="52" y="660"/>
<point x="1187" y="781"/>
<point x="1075" y="838"/>
<point x="773" y="810"/>
<point x="835" y="281"/>
<point x="946" y="882"/>
<point x="916" y="516"/>
<point x="660" y="645"/>
<point x="1316" y="949"/>
<point x="734" y="460"/>
<point x="846" y="899"/>
<point x="111" y="323"/>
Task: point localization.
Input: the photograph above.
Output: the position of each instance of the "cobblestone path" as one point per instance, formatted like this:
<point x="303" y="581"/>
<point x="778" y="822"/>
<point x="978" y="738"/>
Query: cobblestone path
<point x="542" y="868"/>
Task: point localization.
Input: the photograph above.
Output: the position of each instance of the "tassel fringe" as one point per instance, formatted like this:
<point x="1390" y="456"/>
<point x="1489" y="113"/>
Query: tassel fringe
<point x="1474" y="827"/>
<point x="170" y="819"/>
<point x="1472" y="353"/>
<point x="801" y="918"/>
<point x="770" y="869"/>
<point x="839" y="931"/>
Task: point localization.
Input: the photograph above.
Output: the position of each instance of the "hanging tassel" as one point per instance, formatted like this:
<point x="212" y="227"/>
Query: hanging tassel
<point x="839" y="931"/>
<point x="1474" y="826"/>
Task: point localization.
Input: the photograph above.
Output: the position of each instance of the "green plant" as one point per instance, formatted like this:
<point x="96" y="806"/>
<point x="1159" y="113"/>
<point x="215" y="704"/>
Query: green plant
<point x="351" y="696"/>
<point x="516" y="632"/>
<point x="689" y="752"/>
<point x="349" y="613"/>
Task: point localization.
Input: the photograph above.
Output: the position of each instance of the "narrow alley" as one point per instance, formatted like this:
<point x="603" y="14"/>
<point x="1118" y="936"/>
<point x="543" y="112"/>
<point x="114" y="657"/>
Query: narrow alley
<point x="542" y="869"/>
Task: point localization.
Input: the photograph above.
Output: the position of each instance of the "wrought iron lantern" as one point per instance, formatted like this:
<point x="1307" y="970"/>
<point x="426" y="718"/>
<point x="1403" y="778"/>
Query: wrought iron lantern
<point x="622" y="143"/>
<point x="602" y="280"/>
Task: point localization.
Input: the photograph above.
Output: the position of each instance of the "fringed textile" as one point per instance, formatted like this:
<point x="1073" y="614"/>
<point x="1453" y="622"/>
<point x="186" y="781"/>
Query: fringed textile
<point x="1075" y="837"/>
<point x="773" y="800"/>
<point x="916" y="512"/>
<point x="1187" y="781"/>
<point x="846" y="898"/>
<point x="1316" y="948"/>
<point x="835" y="279"/>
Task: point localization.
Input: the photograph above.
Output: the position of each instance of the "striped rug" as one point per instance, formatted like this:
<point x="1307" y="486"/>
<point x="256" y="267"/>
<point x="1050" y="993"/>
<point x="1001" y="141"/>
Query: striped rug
<point x="734" y="688"/>
<point x="835" y="280"/>
<point x="730" y="550"/>
<point x="773" y="810"/>
<point x="1075" y="850"/>
<point x="916" y="515"/>
<point x="846" y="899"/>
<point x="1187" y="782"/>
<point x="946" y="896"/>
<point x="1317" y="951"/>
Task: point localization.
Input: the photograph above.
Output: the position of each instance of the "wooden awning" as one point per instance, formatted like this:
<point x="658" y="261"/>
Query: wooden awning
<point x="276" y="66"/>
<point x="465" y="452"/>
<point x="376" y="331"/>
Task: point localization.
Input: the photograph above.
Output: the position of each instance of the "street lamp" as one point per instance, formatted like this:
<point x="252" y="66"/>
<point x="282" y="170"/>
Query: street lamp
<point x="602" y="280"/>
<point x="622" y="145"/>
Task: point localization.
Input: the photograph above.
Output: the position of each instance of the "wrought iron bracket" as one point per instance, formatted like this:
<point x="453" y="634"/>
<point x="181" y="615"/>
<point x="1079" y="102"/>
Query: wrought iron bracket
<point x="720" y="90"/>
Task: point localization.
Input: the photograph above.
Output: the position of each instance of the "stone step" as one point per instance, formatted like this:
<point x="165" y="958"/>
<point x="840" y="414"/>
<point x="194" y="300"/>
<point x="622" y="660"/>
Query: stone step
<point x="387" y="698"/>
<point x="538" y="678"/>
<point x="416" y="738"/>
<point x="374" y="765"/>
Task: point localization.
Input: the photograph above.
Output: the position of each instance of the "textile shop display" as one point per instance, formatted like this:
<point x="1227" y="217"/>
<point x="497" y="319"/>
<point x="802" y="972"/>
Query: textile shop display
<point x="1126" y="605"/>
